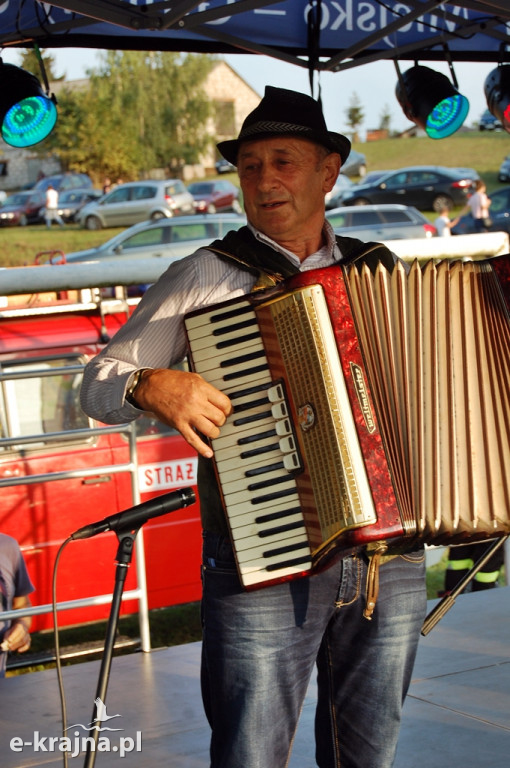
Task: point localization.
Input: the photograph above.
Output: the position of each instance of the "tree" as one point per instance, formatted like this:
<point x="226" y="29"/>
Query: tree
<point x="141" y="110"/>
<point x="385" y="119"/>
<point x="30" y="62"/>
<point x="354" y="115"/>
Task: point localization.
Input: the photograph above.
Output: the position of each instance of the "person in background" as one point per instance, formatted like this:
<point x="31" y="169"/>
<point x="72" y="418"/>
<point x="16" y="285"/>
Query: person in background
<point x="107" y="185"/>
<point x="51" y="212"/>
<point x="462" y="558"/>
<point x="260" y="647"/>
<point x="15" y="588"/>
<point x="479" y="204"/>
<point x="443" y="223"/>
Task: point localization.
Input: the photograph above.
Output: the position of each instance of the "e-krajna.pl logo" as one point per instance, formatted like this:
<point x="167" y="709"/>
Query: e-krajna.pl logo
<point x="77" y="743"/>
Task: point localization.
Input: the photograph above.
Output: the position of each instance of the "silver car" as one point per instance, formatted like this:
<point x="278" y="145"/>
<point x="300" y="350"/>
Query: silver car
<point x="177" y="237"/>
<point x="380" y="222"/>
<point x="138" y="201"/>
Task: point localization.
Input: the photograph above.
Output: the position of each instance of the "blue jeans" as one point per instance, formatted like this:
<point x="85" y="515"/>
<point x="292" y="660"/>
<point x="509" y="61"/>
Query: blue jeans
<point x="260" y="647"/>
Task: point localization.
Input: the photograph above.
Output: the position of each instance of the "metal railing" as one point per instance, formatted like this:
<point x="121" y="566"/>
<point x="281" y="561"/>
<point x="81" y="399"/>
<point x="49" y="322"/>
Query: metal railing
<point x="140" y="592"/>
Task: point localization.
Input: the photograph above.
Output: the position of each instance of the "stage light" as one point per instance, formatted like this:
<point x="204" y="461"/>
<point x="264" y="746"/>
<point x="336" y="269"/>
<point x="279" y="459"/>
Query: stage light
<point x="497" y="93"/>
<point x="27" y="114"/>
<point x="430" y="100"/>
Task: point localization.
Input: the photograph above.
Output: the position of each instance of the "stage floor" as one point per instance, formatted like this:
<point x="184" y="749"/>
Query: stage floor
<point x="457" y="712"/>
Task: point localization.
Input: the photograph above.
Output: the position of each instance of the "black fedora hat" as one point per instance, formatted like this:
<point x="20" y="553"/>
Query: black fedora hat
<point x="286" y="113"/>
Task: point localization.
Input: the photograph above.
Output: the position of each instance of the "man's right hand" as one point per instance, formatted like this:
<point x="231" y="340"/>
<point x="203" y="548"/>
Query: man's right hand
<point x="186" y="402"/>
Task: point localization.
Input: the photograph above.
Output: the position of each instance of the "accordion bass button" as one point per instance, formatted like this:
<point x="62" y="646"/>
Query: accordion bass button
<point x="291" y="462"/>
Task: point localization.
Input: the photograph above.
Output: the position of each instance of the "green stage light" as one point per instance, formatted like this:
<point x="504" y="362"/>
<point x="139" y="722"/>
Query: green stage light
<point x="27" y="114"/>
<point x="429" y="99"/>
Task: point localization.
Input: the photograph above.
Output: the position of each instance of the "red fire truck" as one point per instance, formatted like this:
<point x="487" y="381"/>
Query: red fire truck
<point x="59" y="470"/>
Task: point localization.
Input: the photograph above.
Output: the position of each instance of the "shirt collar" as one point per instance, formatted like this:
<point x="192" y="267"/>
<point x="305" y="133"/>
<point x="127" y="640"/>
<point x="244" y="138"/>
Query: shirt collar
<point x="329" y="252"/>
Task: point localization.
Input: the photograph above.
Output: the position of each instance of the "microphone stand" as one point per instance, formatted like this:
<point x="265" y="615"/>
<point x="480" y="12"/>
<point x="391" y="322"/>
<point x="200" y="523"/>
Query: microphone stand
<point x="444" y="605"/>
<point x="124" y="556"/>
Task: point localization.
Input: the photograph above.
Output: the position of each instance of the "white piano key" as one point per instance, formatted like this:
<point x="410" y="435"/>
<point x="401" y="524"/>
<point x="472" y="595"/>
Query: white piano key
<point x="210" y="356"/>
<point x="246" y="378"/>
<point x="262" y="563"/>
<point x="253" y="576"/>
<point x="288" y="502"/>
<point x="258" y="554"/>
<point x="250" y="535"/>
<point x="243" y="482"/>
<point x="231" y="471"/>
<point x="208" y="318"/>
<point x="250" y="497"/>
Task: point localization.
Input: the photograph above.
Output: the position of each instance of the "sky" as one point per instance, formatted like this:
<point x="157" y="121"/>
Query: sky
<point x="373" y="84"/>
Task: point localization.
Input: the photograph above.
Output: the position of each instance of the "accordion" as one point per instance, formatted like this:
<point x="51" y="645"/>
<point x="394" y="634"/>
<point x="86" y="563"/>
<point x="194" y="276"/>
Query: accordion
<point x="369" y="407"/>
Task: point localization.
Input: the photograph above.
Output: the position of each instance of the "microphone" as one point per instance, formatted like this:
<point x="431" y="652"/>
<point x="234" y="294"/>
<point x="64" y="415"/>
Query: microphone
<point x="136" y="516"/>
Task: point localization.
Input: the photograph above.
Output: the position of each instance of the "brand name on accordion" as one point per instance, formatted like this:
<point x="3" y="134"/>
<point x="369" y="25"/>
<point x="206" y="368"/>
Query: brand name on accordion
<point x="361" y="392"/>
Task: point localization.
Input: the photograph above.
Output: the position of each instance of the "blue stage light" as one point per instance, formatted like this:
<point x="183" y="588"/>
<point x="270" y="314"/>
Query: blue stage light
<point x="27" y="114"/>
<point x="430" y="100"/>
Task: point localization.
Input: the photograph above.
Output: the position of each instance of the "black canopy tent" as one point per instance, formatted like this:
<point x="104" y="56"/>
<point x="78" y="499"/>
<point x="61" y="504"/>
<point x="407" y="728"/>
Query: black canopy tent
<point x="351" y="32"/>
<point x="320" y="35"/>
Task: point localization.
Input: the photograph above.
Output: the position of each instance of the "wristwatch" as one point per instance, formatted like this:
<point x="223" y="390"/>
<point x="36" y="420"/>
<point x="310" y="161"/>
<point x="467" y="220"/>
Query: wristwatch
<point x="132" y="386"/>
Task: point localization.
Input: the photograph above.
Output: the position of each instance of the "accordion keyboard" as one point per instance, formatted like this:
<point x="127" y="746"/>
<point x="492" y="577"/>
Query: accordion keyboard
<point x="256" y="454"/>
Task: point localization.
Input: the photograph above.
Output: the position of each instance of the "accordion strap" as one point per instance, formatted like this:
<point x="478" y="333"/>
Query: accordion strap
<point x="271" y="267"/>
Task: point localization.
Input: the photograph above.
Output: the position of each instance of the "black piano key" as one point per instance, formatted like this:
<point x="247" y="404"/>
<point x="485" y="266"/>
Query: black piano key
<point x="259" y="451"/>
<point x="273" y="496"/>
<point x="240" y="407"/>
<point x="278" y="529"/>
<point x="257" y="436"/>
<point x="285" y="550"/>
<point x="226" y="343"/>
<point x="228" y="314"/>
<point x="263" y="469"/>
<point x="267" y="518"/>
<point x="245" y="372"/>
<point x="305" y="560"/>
<point x="251" y="419"/>
<point x="267" y="483"/>
<point x="243" y="358"/>
<point x="247" y="391"/>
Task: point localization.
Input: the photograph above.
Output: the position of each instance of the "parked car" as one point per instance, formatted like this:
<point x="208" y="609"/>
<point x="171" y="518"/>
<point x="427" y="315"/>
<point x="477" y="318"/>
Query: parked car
<point x="177" y="237"/>
<point x="64" y="181"/>
<point x="372" y="176"/>
<point x="343" y="184"/>
<point x="138" y="201"/>
<point x="355" y="165"/>
<point x="72" y="201"/>
<point x="380" y="222"/>
<point x="504" y="170"/>
<point x="499" y="213"/>
<point x="223" y="166"/>
<point x="23" y="208"/>
<point x="488" y="122"/>
<point x="215" y="196"/>
<point x="426" y="187"/>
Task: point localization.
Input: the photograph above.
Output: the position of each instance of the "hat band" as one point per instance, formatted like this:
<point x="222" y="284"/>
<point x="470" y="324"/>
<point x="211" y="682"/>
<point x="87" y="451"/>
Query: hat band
<point x="268" y="126"/>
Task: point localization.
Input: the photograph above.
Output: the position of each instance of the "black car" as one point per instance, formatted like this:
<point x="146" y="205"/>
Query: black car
<point x="499" y="213"/>
<point x="428" y="188"/>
